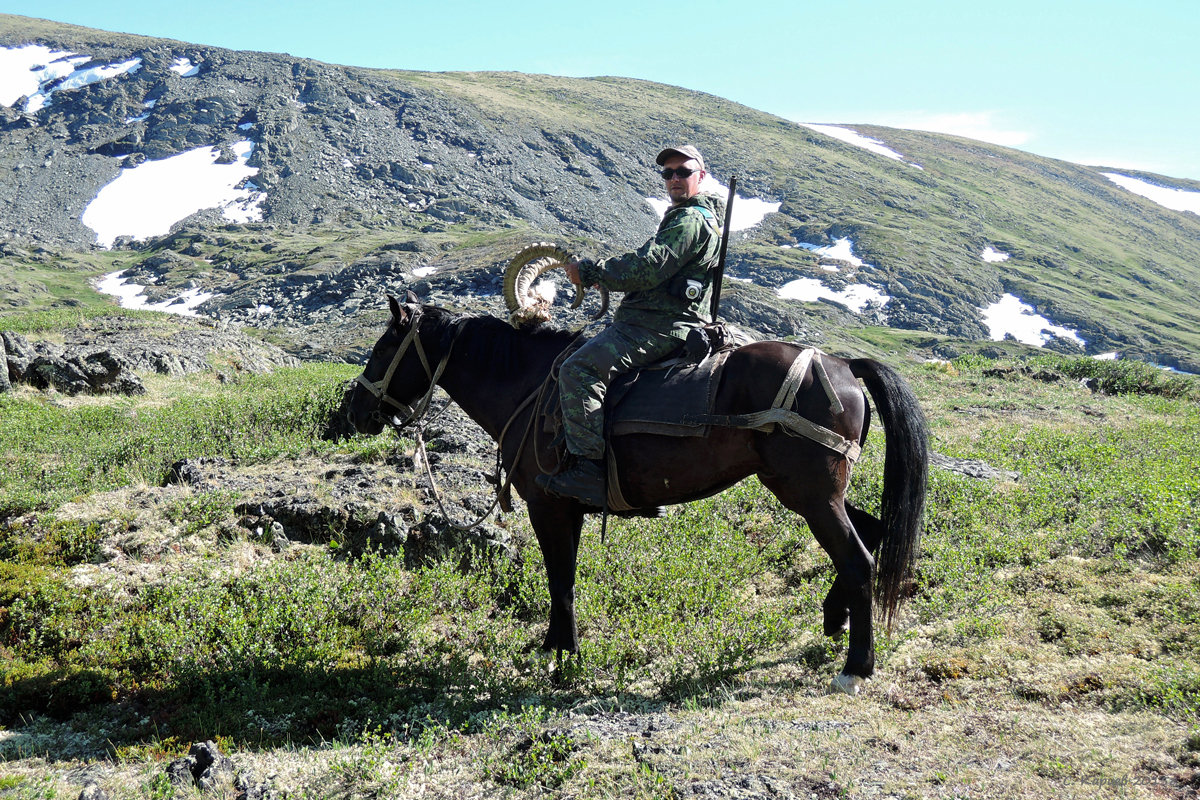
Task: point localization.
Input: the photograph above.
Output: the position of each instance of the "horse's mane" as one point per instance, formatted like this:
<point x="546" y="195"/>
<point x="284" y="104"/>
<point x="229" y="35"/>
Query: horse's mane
<point x="495" y="345"/>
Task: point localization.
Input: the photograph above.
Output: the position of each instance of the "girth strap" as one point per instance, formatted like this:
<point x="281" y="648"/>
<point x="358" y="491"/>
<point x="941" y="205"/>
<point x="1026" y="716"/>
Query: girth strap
<point x="791" y="422"/>
<point x="781" y="414"/>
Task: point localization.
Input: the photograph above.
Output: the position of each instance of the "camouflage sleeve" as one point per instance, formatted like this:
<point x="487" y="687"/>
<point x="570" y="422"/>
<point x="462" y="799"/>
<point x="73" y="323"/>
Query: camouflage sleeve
<point x="654" y="262"/>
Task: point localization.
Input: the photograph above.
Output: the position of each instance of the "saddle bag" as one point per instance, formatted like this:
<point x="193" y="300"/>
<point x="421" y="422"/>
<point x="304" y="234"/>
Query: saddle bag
<point x="713" y="338"/>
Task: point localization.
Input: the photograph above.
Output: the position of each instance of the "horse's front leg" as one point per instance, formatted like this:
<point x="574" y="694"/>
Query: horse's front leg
<point x="558" y="524"/>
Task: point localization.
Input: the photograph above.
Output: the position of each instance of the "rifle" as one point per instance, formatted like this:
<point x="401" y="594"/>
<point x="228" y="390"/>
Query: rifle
<point x="716" y="295"/>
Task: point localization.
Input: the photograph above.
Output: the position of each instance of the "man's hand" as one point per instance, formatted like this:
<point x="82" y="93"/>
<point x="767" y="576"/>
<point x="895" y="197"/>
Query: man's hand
<point x="572" y="270"/>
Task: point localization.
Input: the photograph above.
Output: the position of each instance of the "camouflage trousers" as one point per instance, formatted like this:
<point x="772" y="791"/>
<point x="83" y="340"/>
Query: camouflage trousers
<point x="586" y="374"/>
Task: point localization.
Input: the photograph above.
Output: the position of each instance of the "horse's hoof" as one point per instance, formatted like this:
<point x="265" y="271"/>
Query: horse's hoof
<point x="540" y="660"/>
<point x="835" y="629"/>
<point x="846" y="684"/>
<point x="836" y="619"/>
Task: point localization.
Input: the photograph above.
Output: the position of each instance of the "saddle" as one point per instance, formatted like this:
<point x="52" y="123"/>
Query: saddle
<point x="665" y="397"/>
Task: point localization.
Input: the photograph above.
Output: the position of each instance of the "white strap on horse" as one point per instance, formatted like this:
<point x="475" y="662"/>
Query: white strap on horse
<point x="793" y="423"/>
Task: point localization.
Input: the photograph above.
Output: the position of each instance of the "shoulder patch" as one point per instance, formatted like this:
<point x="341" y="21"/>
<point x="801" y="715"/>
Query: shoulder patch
<point x="710" y="219"/>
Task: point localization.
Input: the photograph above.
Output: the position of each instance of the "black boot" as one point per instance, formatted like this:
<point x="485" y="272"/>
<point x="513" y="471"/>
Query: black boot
<point x="582" y="480"/>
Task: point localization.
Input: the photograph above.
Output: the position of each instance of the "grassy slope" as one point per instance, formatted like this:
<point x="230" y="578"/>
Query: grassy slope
<point x="1050" y="615"/>
<point x="1050" y="648"/>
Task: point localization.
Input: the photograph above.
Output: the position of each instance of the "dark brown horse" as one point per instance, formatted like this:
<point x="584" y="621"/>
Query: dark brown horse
<point x="491" y="370"/>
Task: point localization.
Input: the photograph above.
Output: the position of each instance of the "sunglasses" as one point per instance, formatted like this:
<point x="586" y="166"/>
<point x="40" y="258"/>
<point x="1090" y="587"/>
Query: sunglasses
<point x="682" y="172"/>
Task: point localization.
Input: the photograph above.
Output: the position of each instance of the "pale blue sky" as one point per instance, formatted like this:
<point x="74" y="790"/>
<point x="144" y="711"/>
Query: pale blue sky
<point x="1108" y="82"/>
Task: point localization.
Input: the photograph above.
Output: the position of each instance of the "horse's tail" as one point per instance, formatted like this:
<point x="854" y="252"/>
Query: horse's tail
<point x="905" y="469"/>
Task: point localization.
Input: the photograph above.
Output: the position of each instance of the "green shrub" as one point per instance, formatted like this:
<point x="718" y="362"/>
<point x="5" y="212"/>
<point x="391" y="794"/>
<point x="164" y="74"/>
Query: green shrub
<point x="1123" y="376"/>
<point x="52" y="454"/>
<point x="49" y="541"/>
<point x="198" y="511"/>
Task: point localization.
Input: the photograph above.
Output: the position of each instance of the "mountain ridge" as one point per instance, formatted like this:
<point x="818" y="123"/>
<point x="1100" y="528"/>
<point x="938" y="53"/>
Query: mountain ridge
<point x="464" y="154"/>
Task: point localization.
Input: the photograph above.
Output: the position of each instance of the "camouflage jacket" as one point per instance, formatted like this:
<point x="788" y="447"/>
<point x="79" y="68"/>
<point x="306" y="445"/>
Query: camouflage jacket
<point x="655" y="277"/>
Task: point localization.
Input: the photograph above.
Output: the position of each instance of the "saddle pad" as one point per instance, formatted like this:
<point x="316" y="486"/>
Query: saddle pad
<point x="659" y="399"/>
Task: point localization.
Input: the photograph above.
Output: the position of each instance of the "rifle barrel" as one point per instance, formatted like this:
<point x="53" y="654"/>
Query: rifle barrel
<point x="716" y="296"/>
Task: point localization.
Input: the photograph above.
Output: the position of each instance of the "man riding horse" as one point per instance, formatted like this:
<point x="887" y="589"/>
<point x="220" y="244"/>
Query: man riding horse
<point x="791" y="416"/>
<point x="668" y="285"/>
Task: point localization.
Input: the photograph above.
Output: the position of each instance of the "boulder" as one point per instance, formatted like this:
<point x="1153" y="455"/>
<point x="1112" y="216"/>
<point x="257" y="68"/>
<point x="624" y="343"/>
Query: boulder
<point x="55" y="372"/>
<point x="109" y="373"/>
<point x="18" y="354"/>
<point x="92" y="791"/>
<point x="101" y="372"/>
<point x="204" y="768"/>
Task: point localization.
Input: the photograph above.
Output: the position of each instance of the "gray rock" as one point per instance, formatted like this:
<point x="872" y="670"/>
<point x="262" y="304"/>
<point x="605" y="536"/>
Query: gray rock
<point x="212" y="768"/>
<point x="760" y="787"/>
<point x="249" y="788"/>
<point x="972" y="468"/>
<point x="105" y="356"/>
<point x="192" y="471"/>
<point x="204" y="767"/>
<point x="179" y="772"/>
<point x="109" y="373"/>
<point x="18" y="354"/>
<point x="100" y="372"/>
<point x="92" y="791"/>
<point x="5" y="383"/>
<point x="55" y="372"/>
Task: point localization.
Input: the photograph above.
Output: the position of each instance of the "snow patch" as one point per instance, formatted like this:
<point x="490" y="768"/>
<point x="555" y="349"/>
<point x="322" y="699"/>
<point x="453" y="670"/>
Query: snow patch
<point x="991" y="254"/>
<point x="747" y="211"/>
<point x="184" y="66"/>
<point x="423" y="272"/>
<point x="858" y="140"/>
<point x="149" y="104"/>
<point x="856" y="296"/>
<point x="77" y="79"/>
<point x="841" y="250"/>
<point x="24" y="70"/>
<point x="148" y="199"/>
<point x="1165" y="196"/>
<point x="1009" y="315"/>
<point x="129" y="295"/>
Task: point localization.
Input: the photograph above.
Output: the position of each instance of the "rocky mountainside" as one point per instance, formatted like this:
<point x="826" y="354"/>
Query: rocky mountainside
<point x="358" y="182"/>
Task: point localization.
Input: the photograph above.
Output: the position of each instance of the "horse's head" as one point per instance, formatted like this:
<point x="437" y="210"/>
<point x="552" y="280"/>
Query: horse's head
<point x="396" y="376"/>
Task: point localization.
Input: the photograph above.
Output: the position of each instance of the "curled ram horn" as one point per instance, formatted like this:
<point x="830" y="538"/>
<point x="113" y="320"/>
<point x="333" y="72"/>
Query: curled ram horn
<point x="527" y="305"/>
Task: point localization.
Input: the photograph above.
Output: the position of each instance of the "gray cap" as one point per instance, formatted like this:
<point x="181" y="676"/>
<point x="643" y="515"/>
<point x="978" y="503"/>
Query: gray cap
<point x="684" y="150"/>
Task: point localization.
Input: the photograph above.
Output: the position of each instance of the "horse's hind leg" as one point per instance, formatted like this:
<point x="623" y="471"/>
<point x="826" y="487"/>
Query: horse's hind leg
<point x="836" y="607"/>
<point x="830" y="524"/>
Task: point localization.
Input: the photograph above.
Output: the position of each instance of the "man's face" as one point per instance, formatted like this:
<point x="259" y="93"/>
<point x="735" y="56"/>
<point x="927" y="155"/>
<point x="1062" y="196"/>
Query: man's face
<point x="681" y="189"/>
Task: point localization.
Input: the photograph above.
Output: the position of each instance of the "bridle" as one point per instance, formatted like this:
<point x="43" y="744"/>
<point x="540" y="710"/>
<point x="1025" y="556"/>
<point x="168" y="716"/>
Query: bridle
<point x="415" y="412"/>
<point x="379" y="388"/>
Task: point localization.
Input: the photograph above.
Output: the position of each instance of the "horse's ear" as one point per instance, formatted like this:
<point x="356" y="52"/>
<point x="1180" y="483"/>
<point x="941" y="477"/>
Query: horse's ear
<point x="411" y="297"/>
<point x="397" y="312"/>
